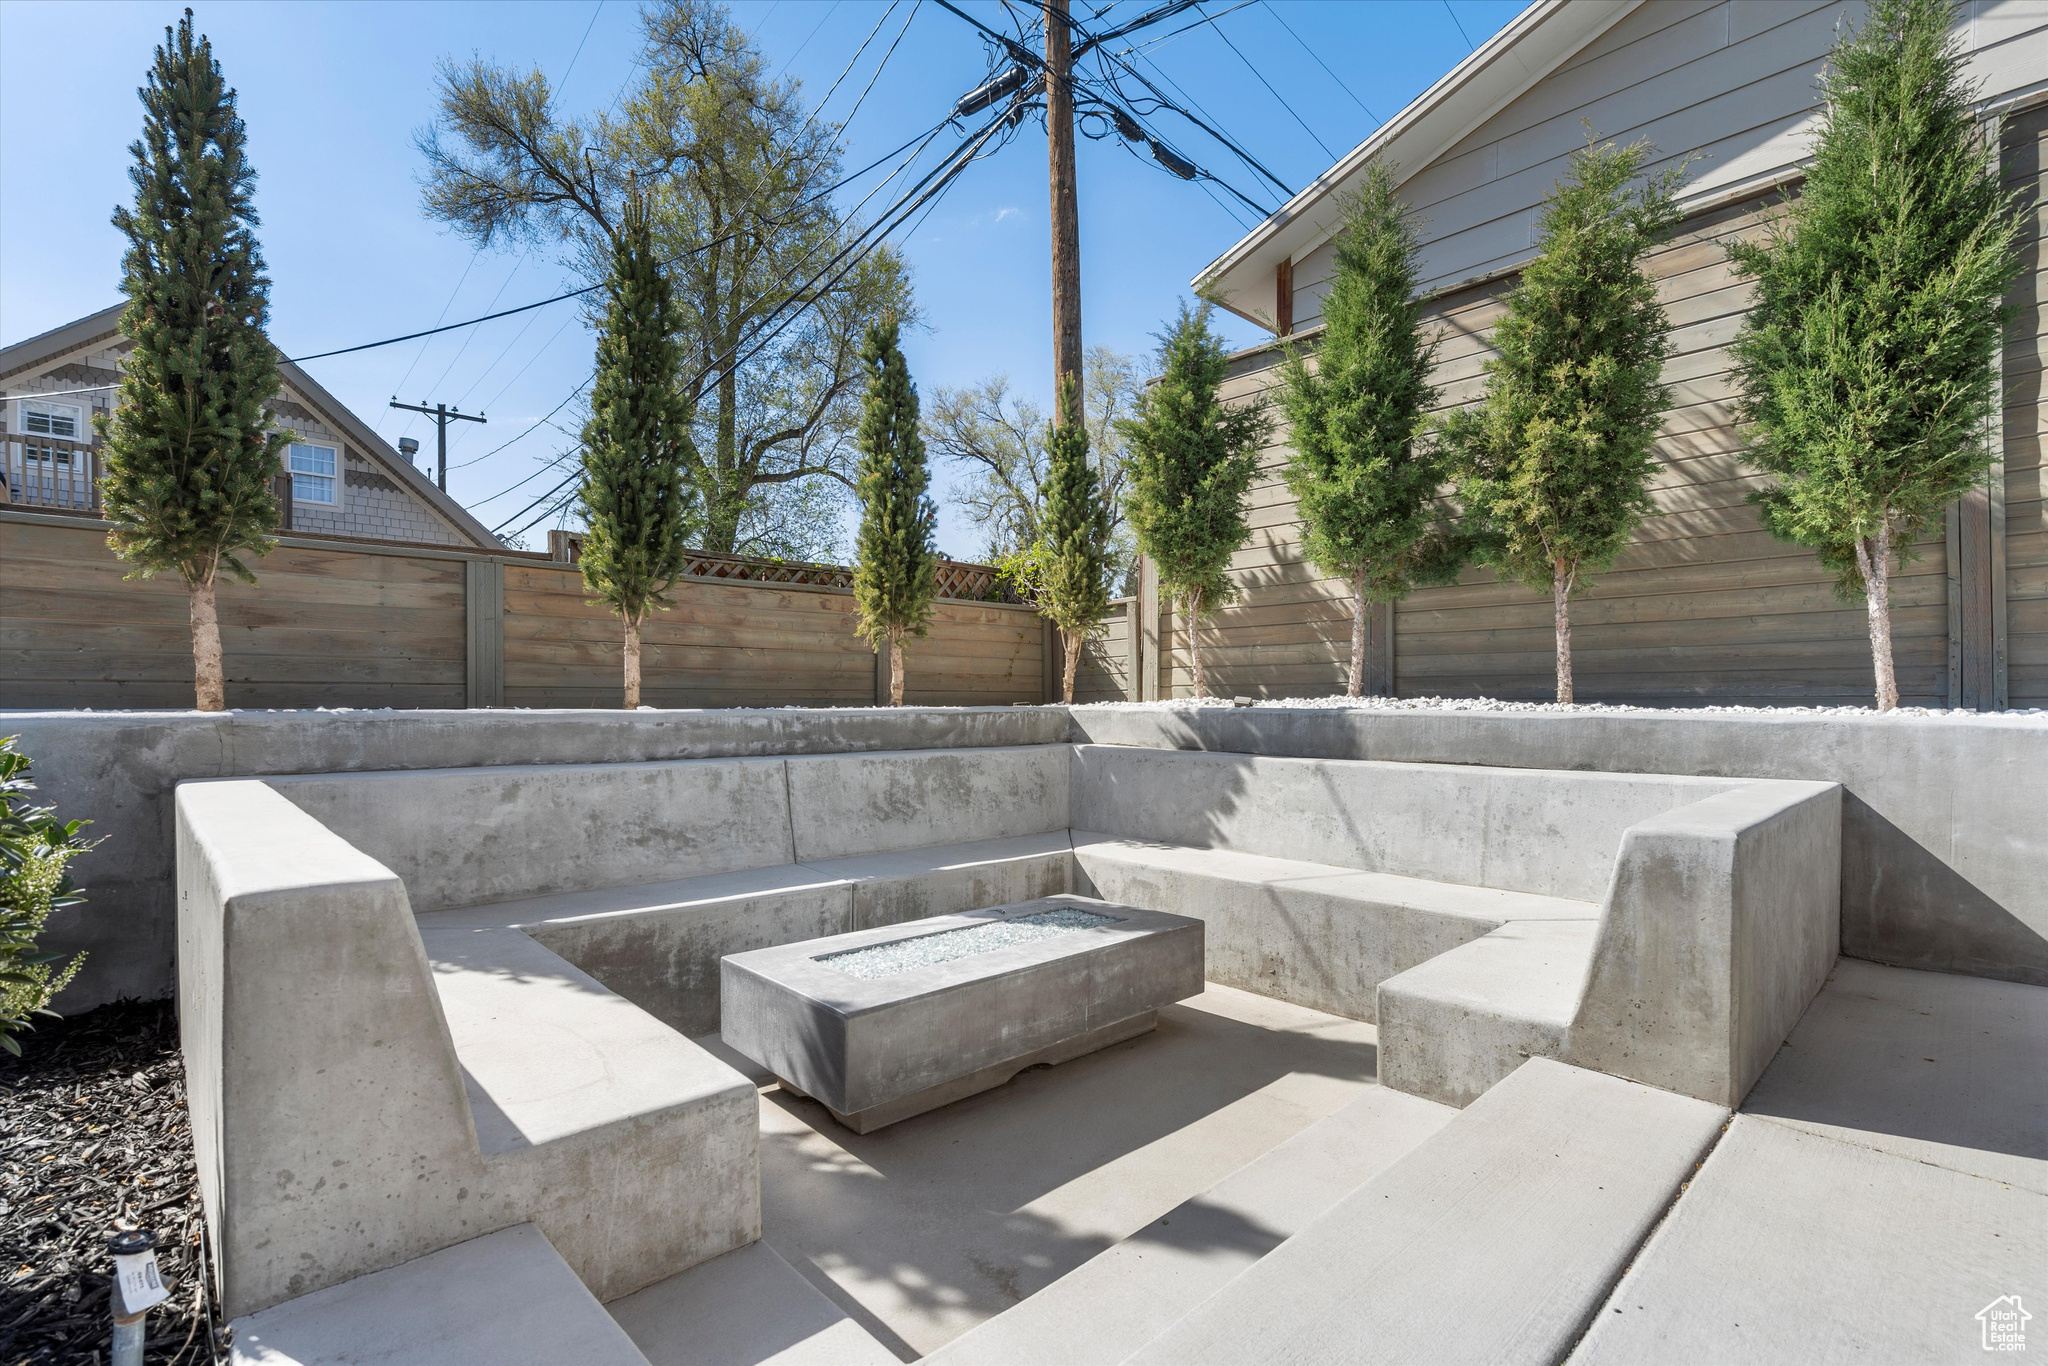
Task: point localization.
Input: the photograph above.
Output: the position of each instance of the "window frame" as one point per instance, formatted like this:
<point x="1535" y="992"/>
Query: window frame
<point x="335" y="478"/>
<point x="81" y="425"/>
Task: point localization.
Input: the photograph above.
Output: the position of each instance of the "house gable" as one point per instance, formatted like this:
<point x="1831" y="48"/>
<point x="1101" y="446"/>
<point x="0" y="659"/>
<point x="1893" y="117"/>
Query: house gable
<point x="378" y="493"/>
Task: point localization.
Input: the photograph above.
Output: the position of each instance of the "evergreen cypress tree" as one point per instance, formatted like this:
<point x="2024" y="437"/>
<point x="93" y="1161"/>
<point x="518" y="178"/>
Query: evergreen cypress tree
<point x="1192" y="459"/>
<point x="1553" y="467"/>
<point x="1065" y="572"/>
<point x="637" y="511"/>
<point x="1866" y="362"/>
<point x="895" y="573"/>
<point x="190" y="448"/>
<point x="1363" y="475"/>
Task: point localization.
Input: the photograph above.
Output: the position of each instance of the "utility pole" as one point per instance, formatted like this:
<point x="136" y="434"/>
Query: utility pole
<point x="1066" y="219"/>
<point x="442" y="415"/>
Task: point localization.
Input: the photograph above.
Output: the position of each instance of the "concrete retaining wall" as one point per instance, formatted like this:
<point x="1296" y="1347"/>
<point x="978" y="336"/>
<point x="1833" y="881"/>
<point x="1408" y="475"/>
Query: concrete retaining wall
<point x="117" y="769"/>
<point x="1944" y="821"/>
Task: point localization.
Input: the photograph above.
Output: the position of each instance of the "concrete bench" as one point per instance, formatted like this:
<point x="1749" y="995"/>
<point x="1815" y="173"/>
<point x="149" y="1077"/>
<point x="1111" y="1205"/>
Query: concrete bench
<point x="1495" y="1240"/>
<point x="398" y="1026"/>
<point x="1666" y="929"/>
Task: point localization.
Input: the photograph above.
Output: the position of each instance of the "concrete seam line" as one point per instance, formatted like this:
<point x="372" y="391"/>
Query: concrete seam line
<point x="789" y="808"/>
<point x="1656" y="1226"/>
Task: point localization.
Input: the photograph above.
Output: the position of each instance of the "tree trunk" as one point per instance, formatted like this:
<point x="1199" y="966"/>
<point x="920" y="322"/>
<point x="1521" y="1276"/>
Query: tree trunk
<point x="632" y="663"/>
<point x="1355" y="685"/>
<point x="1873" y="557"/>
<point x="1561" y="577"/>
<point x="209" y="681"/>
<point x="1193" y="602"/>
<point x="895" y="669"/>
<point x="1070" y="651"/>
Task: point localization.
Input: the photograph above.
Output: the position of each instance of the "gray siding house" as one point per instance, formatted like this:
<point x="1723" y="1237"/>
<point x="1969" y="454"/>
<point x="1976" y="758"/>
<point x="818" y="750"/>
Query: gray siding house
<point x="340" y="478"/>
<point x="1704" y="606"/>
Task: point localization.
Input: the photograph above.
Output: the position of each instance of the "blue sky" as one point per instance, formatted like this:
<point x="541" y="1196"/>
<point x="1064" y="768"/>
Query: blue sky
<point x="332" y="94"/>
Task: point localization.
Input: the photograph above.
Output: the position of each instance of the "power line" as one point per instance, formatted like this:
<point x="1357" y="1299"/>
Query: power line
<point x="1274" y="93"/>
<point x="883" y="63"/>
<point x="1470" y="46"/>
<point x="807" y="41"/>
<point x="854" y="58"/>
<point x="926" y="191"/>
<point x="1317" y="58"/>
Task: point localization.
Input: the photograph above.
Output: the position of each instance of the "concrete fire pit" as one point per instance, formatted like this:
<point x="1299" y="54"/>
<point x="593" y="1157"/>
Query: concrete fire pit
<point x="883" y="1024"/>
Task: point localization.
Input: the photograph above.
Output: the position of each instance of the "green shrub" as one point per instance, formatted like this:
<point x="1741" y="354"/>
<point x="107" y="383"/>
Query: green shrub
<point x="36" y="851"/>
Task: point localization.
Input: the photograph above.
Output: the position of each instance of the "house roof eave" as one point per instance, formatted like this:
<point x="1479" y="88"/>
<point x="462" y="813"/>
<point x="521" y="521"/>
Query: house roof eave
<point x="1532" y="45"/>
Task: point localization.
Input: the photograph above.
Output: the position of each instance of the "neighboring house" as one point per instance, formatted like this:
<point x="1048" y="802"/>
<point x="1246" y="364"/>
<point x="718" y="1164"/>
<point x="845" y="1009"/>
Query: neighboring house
<point x="341" y="479"/>
<point x="1703" y="606"/>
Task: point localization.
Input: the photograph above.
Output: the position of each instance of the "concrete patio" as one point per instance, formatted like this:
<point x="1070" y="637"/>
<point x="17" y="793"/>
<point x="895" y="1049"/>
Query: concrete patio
<point x="1575" y="1048"/>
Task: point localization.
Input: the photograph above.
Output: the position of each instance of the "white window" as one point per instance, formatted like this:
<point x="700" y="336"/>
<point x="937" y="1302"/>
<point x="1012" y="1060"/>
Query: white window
<point x="66" y="420"/>
<point x="313" y="473"/>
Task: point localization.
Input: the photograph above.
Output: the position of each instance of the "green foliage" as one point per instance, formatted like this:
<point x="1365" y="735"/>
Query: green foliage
<point x="190" y="449"/>
<point x="1073" y="590"/>
<point x="1000" y="442"/>
<point x="36" y="851"/>
<point x="895" y="573"/>
<point x="1363" y="475"/>
<point x="735" y="166"/>
<point x="1553" y="466"/>
<point x="1866" y="361"/>
<point x="637" y="512"/>
<point x="1191" y="461"/>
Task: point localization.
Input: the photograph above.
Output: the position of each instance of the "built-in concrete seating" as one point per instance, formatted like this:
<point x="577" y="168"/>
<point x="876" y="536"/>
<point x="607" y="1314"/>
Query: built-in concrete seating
<point x="449" y="1068"/>
<point x="1668" y="929"/>
<point x="424" y="1006"/>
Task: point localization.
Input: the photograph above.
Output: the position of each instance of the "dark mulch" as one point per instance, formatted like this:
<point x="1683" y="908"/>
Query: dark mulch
<point x="94" y="1138"/>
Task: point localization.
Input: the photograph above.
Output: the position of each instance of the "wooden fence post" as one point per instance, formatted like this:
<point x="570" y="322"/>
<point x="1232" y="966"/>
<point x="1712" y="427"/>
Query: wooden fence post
<point x="1148" y="631"/>
<point x="484" y="632"/>
<point x="1049" y="658"/>
<point x="1131" y="650"/>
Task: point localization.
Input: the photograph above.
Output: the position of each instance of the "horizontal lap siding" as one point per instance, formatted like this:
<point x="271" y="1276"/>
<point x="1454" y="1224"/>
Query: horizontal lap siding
<point x="731" y="644"/>
<point x="1703" y="606"/>
<point x="2026" y="431"/>
<point x="320" y="628"/>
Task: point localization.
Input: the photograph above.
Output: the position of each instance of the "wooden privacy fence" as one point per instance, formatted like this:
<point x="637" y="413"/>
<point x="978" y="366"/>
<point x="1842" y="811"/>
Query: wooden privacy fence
<point x="359" y="624"/>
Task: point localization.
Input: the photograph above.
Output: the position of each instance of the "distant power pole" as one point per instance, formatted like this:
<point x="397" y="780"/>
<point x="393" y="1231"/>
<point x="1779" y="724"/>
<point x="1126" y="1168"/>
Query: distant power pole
<point x="1066" y="217"/>
<point x="442" y="415"/>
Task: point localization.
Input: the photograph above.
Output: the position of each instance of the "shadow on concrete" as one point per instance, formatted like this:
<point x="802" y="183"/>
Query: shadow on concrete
<point x="1923" y="1064"/>
<point x="944" y="1220"/>
<point x="1890" y="884"/>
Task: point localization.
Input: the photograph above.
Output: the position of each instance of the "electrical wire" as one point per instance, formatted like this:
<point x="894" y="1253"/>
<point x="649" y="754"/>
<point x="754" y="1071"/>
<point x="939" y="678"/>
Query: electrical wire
<point x="1470" y="46"/>
<point x="807" y="41"/>
<point x="854" y="58"/>
<point x="1274" y="93"/>
<point x="907" y="19"/>
<point x="925" y="192"/>
<point x="1315" y="57"/>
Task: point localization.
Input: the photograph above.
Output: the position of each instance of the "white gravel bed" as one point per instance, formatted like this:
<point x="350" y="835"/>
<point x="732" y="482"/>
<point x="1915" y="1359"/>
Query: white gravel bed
<point x="901" y="955"/>
<point x="1500" y="705"/>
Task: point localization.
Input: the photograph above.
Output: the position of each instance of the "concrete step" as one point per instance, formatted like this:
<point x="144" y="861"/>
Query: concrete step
<point x="1451" y="1028"/>
<point x="1111" y="1305"/>
<point x="506" y="1299"/>
<point x="1494" y="1241"/>
<point x="747" y="1308"/>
